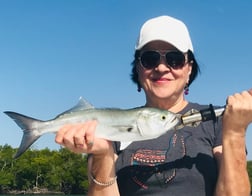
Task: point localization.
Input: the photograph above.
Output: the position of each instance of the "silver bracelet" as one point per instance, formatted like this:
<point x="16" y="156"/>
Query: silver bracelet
<point x="103" y="183"/>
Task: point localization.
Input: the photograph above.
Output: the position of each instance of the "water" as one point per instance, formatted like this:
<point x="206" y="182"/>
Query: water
<point x="40" y="195"/>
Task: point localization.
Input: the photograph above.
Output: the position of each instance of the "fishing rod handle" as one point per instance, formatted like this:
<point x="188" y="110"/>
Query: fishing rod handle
<point x="195" y="117"/>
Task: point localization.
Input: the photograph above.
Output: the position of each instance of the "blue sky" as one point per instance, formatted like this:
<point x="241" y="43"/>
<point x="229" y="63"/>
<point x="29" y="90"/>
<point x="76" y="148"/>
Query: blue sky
<point x="54" y="51"/>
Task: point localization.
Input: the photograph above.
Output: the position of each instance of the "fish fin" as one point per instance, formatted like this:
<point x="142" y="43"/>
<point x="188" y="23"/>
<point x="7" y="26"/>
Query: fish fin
<point x="124" y="128"/>
<point x="30" y="132"/>
<point x="124" y="145"/>
<point x="81" y="105"/>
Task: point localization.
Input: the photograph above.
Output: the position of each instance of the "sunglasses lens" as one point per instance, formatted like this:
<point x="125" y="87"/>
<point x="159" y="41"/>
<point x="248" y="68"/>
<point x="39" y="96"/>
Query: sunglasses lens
<point x="150" y="59"/>
<point x="175" y="59"/>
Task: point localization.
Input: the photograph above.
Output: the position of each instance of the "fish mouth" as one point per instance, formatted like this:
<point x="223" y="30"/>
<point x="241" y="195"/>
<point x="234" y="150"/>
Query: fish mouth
<point x="173" y="123"/>
<point x="174" y="119"/>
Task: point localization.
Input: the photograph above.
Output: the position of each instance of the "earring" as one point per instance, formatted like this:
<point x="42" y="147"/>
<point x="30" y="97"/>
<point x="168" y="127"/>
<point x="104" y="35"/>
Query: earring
<point x="138" y="88"/>
<point x="186" y="89"/>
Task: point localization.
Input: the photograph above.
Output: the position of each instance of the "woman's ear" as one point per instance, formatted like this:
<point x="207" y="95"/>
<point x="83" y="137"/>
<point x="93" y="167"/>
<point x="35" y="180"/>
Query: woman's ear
<point x="190" y="68"/>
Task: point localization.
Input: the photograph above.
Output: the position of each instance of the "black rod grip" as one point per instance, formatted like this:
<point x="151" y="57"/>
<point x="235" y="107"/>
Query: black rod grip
<point x="208" y="114"/>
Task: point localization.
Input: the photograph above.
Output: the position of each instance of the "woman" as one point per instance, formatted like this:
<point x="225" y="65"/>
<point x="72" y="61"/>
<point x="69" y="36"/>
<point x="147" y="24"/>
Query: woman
<point x="206" y="160"/>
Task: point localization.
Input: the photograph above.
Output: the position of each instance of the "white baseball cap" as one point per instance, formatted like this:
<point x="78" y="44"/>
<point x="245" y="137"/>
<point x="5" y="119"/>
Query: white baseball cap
<point x="167" y="29"/>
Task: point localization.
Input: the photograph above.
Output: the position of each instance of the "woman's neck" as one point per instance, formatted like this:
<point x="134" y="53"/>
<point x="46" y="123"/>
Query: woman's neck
<point x="167" y="104"/>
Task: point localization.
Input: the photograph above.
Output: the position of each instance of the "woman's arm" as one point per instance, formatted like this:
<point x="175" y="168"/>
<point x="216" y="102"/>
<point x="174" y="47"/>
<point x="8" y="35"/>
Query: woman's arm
<point x="80" y="138"/>
<point x="233" y="176"/>
<point x="102" y="175"/>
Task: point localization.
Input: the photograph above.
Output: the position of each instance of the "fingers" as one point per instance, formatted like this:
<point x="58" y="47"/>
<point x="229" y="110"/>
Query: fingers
<point x="84" y="135"/>
<point x="250" y="91"/>
<point x="238" y="112"/>
<point x="61" y="133"/>
<point x="78" y="138"/>
<point x="89" y="137"/>
<point x="241" y="100"/>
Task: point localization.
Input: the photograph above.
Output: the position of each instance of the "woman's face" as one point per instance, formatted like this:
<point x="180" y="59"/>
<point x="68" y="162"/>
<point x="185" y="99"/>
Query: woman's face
<point x="163" y="82"/>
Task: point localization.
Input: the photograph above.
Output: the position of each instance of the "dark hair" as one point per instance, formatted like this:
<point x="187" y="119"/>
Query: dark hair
<point x="195" y="68"/>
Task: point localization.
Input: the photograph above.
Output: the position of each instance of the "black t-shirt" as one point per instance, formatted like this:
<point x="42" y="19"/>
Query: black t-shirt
<point x="177" y="163"/>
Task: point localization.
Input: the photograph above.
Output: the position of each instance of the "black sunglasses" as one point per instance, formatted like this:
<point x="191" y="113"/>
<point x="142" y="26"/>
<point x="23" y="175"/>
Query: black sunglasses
<point x="151" y="59"/>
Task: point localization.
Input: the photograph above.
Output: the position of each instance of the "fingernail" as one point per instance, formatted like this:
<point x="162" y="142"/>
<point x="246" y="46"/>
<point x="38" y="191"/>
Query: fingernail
<point x="78" y="145"/>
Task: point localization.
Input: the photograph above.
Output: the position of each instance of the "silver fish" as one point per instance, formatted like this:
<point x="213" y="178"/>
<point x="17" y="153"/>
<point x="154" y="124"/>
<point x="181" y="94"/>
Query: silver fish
<point x="129" y="125"/>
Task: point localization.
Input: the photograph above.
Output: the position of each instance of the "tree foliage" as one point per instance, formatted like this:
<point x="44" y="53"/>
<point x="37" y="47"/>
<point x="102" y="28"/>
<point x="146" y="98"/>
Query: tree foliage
<point x="56" y="171"/>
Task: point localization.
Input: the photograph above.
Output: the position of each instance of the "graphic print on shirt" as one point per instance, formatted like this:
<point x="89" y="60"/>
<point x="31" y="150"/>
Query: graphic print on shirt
<point x="158" y="163"/>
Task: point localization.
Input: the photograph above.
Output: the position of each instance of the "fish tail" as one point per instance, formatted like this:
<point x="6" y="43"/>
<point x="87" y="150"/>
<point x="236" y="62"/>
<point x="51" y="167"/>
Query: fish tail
<point x="30" y="127"/>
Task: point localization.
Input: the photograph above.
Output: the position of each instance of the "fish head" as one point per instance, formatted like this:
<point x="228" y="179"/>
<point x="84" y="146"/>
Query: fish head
<point x="153" y="122"/>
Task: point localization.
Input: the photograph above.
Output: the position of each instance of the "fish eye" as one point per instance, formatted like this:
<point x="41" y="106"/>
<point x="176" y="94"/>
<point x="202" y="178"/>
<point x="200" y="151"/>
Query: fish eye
<point x="129" y="129"/>
<point x="163" y="117"/>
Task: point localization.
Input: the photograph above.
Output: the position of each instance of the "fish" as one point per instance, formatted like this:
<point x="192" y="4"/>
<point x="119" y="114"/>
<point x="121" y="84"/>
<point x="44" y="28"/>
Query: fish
<point x="114" y="124"/>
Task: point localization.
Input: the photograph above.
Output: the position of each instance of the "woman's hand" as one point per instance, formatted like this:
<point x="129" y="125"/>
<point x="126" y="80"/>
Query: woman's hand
<point x="238" y="113"/>
<point x="80" y="138"/>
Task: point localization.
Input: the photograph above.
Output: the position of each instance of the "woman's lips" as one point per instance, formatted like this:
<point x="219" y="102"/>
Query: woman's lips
<point x="160" y="80"/>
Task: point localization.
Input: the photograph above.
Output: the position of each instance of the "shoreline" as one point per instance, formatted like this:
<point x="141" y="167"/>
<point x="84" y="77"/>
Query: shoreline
<point x="34" y="191"/>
